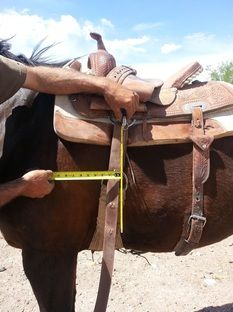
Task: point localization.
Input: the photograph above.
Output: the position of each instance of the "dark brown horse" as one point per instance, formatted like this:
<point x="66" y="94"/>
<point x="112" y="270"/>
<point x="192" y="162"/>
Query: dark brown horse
<point x="51" y="231"/>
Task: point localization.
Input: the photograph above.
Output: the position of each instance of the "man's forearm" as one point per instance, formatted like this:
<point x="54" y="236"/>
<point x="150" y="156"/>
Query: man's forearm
<point x="11" y="190"/>
<point x="63" y="81"/>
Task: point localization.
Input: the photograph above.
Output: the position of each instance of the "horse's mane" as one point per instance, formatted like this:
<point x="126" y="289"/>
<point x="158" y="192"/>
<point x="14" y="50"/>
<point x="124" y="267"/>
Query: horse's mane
<point x="37" y="58"/>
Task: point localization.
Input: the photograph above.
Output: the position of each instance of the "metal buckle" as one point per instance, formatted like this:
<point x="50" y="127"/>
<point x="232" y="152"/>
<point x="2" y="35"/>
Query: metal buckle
<point x="197" y="217"/>
<point x="126" y="123"/>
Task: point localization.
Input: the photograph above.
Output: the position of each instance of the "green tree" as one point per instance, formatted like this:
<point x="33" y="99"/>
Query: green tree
<point x="224" y="72"/>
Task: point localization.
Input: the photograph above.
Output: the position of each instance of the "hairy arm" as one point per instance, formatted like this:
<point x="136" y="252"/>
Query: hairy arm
<point x="34" y="184"/>
<point x="63" y="81"/>
<point x="11" y="190"/>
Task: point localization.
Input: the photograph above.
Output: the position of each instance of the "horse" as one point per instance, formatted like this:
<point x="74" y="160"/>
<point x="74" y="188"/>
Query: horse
<point x="51" y="231"/>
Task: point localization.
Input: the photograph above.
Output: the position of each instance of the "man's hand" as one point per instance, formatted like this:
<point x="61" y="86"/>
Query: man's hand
<point x="67" y="81"/>
<point x="120" y="98"/>
<point x="37" y="184"/>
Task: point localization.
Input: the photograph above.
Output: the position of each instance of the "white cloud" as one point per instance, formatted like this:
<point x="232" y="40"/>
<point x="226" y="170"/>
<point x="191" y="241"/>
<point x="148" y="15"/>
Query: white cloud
<point x="146" y="26"/>
<point x="72" y="35"/>
<point x="155" y="70"/>
<point x="139" y="52"/>
<point x="170" y="47"/>
<point x="28" y="29"/>
<point x="123" y="49"/>
<point x="199" y="37"/>
<point x="106" y="22"/>
<point x="162" y="70"/>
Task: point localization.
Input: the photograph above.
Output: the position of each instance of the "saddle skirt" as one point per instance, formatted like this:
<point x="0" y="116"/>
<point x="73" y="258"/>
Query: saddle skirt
<point x="88" y="119"/>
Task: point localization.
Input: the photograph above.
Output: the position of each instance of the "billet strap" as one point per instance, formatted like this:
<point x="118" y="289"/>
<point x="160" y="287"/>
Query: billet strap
<point x="193" y="226"/>
<point x="111" y="218"/>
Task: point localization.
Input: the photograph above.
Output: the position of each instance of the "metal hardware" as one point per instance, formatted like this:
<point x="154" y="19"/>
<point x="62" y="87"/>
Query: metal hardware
<point x="197" y="217"/>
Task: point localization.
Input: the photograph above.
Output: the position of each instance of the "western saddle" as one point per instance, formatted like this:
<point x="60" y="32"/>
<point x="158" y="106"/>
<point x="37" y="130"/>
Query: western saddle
<point x="175" y="111"/>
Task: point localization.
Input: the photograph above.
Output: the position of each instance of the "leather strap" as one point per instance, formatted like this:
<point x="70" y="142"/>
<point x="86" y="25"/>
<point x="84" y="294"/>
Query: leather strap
<point x="112" y="204"/>
<point x="120" y="73"/>
<point x="111" y="217"/>
<point x="193" y="227"/>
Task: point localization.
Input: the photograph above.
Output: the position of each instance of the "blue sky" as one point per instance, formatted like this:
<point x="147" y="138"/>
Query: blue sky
<point x="156" y="37"/>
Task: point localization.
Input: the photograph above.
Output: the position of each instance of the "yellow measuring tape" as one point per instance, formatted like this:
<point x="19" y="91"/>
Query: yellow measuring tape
<point x="86" y="175"/>
<point x="99" y="175"/>
<point x="121" y="199"/>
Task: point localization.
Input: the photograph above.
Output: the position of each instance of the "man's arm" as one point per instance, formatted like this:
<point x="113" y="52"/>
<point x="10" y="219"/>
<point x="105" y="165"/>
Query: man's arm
<point x="63" y="81"/>
<point x="34" y="184"/>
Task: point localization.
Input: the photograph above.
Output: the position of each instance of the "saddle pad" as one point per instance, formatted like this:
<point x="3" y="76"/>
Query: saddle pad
<point x="74" y="127"/>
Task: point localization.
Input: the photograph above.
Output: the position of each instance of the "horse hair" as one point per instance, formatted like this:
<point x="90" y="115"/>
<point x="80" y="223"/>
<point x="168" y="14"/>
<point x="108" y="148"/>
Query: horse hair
<point x="37" y="57"/>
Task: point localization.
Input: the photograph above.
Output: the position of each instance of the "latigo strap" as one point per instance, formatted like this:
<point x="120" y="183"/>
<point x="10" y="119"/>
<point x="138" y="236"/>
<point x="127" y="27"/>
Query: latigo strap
<point x="111" y="218"/>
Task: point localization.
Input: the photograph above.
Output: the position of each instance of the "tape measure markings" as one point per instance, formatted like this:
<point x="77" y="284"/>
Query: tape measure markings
<point x="86" y="175"/>
<point x="99" y="175"/>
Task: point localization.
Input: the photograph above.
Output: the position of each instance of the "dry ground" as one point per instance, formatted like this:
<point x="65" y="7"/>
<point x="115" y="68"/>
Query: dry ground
<point x="202" y="281"/>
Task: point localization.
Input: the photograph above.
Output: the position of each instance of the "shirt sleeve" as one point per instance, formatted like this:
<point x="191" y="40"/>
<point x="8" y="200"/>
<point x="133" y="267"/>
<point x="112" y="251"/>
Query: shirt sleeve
<point x="12" y="77"/>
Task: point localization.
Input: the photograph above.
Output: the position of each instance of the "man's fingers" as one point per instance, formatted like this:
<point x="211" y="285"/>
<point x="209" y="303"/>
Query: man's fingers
<point x="117" y="113"/>
<point x="49" y="173"/>
<point x="131" y="109"/>
<point x="50" y="177"/>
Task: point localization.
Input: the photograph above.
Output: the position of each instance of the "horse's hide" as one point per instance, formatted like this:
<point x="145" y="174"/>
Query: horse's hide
<point x="23" y="97"/>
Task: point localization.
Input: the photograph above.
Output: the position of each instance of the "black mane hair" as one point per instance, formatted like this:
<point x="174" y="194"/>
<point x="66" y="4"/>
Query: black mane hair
<point x="37" y="58"/>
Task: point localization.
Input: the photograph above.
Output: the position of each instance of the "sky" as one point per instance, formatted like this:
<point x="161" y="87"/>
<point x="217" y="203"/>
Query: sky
<point x="156" y="38"/>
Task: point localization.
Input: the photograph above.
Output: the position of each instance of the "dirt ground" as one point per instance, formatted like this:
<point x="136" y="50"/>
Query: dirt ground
<point x="201" y="281"/>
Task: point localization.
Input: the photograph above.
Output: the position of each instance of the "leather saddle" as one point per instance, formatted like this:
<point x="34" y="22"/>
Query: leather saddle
<point x="163" y="115"/>
<point x="175" y="111"/>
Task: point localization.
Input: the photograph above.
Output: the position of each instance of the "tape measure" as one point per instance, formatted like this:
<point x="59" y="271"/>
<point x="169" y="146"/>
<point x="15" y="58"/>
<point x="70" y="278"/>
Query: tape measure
<point x="100" y="175"/>
<point x="85" y="175"/>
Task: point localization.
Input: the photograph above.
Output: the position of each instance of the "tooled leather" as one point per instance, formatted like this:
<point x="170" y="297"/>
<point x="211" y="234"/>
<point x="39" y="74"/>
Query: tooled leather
<point x="201" y="159"/>
<point x="119" y="73"/>
<point x="193" y="227"/>
<point x="202" y="141"/>
<point x="101" y="63"/>
<point x="200" y="92"/>
<point x="146" y="89"/>
<point x="214" y="95"/>
<point x="182" y="77"/>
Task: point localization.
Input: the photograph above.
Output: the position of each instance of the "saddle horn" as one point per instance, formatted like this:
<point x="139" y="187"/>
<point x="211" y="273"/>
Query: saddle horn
<point x="98" y="38"/>
<point x="101" y="62"/>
